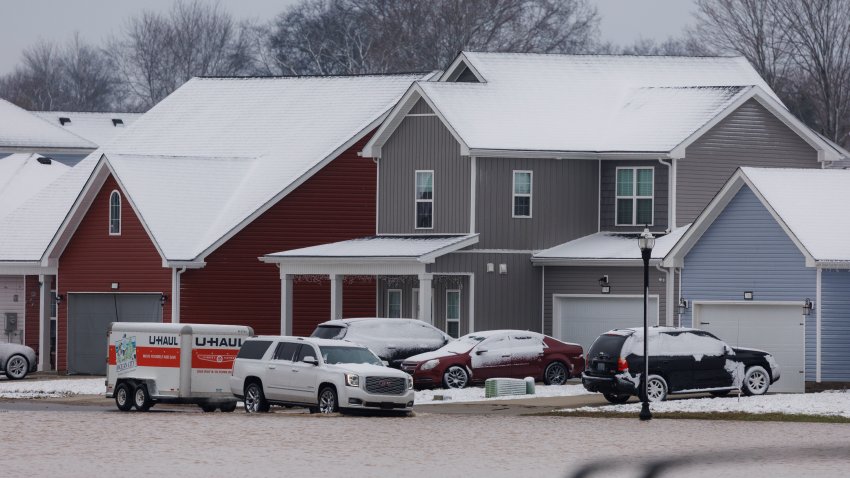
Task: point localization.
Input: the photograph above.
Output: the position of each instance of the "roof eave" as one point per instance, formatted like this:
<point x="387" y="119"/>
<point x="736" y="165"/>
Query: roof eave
<point x="552" y="154"/>
<point x="588" y="262"/>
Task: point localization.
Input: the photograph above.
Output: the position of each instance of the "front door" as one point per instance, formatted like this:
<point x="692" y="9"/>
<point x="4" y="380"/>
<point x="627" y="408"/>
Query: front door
<point x="526" y="356"/>
<point x="279" y="374"/>
<point x="492" y="358"/>
<point x="305" y="375"/>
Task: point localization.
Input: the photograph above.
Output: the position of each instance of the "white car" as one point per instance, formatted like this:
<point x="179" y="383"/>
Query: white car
<point x="17" y="360"/>
<point x="326" y="376"/>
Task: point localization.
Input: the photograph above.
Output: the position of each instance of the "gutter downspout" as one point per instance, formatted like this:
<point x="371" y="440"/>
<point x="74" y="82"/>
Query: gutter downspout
<point x="668" y="294"/>
<point x="671" y="193"/>
<point x="818" y="301"/>
<point x="175" y="293"/>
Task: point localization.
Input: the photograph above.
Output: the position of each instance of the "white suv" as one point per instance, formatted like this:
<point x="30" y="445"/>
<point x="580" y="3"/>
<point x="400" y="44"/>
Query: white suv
<point x="323" y="375"/>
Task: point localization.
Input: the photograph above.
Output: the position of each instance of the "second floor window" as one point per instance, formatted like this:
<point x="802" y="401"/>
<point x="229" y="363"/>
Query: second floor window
<point x="522" y="194"/>
<point x="634" y="196"/>
<point x="115" y="213"/>
<point x="424" y="199"/>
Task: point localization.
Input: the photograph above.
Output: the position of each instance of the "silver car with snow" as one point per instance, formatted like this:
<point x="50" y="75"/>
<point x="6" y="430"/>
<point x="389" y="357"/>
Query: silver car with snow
<point x="17" y="360"/>
<point x="326" y="376"/>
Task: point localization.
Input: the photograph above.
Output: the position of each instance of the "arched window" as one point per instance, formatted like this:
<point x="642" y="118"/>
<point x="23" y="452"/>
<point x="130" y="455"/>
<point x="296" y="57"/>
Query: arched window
<point x="115" y="214"/>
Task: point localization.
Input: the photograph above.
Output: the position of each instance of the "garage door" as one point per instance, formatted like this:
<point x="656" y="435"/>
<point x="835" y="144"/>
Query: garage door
<point x="581" y="320"/>
<point x="777" y="329"/>
<point x="89" y="316"/>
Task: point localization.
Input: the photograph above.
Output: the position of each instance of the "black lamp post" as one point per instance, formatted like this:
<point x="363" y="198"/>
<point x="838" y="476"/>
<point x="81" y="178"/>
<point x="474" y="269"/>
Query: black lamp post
<point x="646" y="242"/>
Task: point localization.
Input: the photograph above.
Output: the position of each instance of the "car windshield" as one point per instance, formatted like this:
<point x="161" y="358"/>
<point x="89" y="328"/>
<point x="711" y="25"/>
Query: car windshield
<point x="463" y="344"/>
<point x="335" y="355"/>
<point x="329" y="332"/>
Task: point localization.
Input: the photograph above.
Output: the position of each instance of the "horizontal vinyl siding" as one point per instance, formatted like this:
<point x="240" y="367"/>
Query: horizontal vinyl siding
<point x="585" y="280"/>
<point x="835" y="326"/>
<point x="423" y="143"/>
<point x="745" y="249"/>
<point x="502" y="301"/>
<point x="336" y="204"/>
<point x="564" y="202"/>
<point x="750" y="136"/>
<point x="608" y="200"/>
<point x="93" y="260"/>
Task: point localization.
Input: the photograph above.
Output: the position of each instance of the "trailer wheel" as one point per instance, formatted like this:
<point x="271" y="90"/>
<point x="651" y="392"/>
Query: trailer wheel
<point x="228" y="407"/>
<point x="207" y="407"/>
<point x="123" y="394"/>
<point x="142" y="399"/>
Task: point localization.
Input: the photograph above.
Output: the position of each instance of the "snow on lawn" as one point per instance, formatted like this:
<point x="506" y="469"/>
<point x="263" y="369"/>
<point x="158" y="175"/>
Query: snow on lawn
<point x="476" y="394"/>
<point x="830" y="403"/>
<point x="51" y="388"/>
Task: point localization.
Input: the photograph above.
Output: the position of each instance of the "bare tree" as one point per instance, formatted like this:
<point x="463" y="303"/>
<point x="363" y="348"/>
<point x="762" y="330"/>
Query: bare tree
<point x="685" y="46"/>
<point x="158" y="53"/>
<point x="375" y="36"/>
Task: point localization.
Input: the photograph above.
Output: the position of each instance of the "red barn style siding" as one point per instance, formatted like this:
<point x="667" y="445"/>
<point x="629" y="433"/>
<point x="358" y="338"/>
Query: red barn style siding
<point x="93" y="260"/>
<point x="32" y="292"/>
<point x="336" y="204"/>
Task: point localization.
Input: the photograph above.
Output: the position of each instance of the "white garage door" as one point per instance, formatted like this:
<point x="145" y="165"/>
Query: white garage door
<point x="777" y="329"/>
<point x="581" y="320"/>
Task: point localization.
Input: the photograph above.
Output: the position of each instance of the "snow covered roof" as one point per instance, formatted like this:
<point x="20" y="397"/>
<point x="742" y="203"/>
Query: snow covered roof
<point x="22" y="175"/>
<point x="605" y="247"/>
<point x="98" y="128"/>
<point x="395" y="248"/>
<point x="23" y="130"/>
<point x="591" y="104"/>
<point x="809" y="204"/>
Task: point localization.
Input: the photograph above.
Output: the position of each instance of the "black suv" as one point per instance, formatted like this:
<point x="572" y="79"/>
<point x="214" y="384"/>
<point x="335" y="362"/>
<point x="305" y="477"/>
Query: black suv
<point x="680" y="361"/>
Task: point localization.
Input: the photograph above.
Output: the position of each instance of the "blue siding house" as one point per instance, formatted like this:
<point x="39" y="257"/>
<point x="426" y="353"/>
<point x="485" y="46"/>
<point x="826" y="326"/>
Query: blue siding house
<point x="767" y="265"/>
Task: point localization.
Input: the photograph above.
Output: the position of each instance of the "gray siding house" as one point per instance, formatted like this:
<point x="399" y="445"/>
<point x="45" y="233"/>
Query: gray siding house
<point x="766" y="265"/>
<point x="540" y="170"/>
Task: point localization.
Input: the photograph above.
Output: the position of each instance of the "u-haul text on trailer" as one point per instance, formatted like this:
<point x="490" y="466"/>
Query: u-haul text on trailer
<point x="172" y="363"/>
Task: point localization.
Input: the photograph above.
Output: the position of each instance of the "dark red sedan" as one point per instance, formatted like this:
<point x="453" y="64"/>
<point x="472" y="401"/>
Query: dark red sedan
<point x="496" y="353"/>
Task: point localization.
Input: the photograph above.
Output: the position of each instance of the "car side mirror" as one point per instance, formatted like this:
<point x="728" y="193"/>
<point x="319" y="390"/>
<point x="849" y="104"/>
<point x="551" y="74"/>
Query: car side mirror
<point x="386" y="364"/>
<point x="310" y="360"/>
<point x="480" y="351"/>
<point x="728" y="350"/>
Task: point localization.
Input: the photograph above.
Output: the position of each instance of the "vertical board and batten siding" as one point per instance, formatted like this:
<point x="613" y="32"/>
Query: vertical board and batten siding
<point x="336" y="204"/>
<point x="608" y="197"/>
<point x="423" y="143"/>
<point x="502" y="301"/>
<point x="564" y="202"/>
<point x="749" y="136"/>
<point x="93" y="260"/>
<point x="585" y="280"/>
<point x="421" y="108"/>
<point x="745" y="249"/>
<point x="835" y="325"/>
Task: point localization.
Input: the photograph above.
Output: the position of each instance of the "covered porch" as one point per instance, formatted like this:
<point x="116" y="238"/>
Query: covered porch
<point x="401" y="266"/>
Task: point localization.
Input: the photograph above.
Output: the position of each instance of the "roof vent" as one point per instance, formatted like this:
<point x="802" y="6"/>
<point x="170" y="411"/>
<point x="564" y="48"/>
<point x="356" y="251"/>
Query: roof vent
<point x="117" y="122"/>
<point x="44" y="159"/>
<point x="63" y="120"/>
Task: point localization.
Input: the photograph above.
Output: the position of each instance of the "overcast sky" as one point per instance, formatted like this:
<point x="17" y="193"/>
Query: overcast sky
<point x="23" y="22"/>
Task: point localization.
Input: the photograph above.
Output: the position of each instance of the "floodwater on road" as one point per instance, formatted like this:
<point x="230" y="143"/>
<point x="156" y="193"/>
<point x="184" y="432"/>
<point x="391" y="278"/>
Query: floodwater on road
<point x="185" y="443"/>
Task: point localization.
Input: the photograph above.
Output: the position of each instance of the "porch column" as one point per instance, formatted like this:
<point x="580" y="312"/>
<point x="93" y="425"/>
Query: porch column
<point x="44" y="301"/>
<point x="175" y="295"/>
<point x="425" y="298"/>
<point x="336" y="296"/>
<point x="285" y="304"/>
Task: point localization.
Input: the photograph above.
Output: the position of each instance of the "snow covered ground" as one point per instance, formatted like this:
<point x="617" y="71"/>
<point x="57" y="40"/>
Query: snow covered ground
<point x="51" y="388"/>
<point x="476" y="394"/>
<point x="830" y="403"/>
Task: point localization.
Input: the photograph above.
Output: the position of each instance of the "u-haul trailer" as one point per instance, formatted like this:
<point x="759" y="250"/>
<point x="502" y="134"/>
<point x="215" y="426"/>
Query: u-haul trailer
<point x="149" y="363"/>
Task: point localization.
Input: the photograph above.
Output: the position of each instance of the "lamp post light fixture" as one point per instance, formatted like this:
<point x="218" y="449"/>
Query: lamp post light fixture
<point x="646" y="242"/>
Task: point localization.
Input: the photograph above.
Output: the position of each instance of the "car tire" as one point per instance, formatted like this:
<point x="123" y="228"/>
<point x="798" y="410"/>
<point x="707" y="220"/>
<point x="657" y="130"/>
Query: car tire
<point x="142" y="399"/>
<point x="657" y="389"/>
<point x="123" y="396"/>
<point x="455" y="377"/>
<point x="255" y="399"/>
<point x="228" y="407"/>
<point x="617" y="398"/>
<point x="207" y="407"/>
<point x="556" y="373"/>
<point x="756" y="381"/>
<point x="17" y="367"/>
<point x="328" y="402"/>
<point x="720" y="393"/>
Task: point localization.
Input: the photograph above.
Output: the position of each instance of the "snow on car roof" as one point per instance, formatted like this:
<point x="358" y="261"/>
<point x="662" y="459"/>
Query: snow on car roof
<point x="311" y="340"/>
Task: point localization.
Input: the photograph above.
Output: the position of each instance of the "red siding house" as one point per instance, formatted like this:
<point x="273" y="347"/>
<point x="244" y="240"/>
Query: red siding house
<point x="172" y="220"/>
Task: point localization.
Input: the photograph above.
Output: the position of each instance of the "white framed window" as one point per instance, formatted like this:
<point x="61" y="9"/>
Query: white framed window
<point x="522" y="187"/>
<point x="394" y="303"/>
<point x="115" y="213"/>
<point x="634" y="196"/>
<point x="453" y="312"/>
<point x="424" y="199"/>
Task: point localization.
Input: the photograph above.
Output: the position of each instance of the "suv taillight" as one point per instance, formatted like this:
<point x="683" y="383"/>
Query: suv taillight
<point x="622" y="365"/>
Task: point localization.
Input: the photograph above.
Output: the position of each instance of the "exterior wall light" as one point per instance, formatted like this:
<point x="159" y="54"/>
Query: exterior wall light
<point x="748" y="295"/>
<point x="604" y="285"/>
<point x="807" y="307"/>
